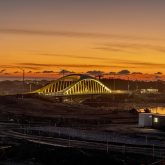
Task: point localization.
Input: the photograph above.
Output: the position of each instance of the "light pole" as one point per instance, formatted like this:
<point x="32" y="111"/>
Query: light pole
<point x="23" y="77"/>
<point x="114" y="85"/>
<point x="23" y="80"/>
<point x="157" y="81"/>
<point x="128" y="83"/>
<point x="30" y="87"/>
<point x="137" y="85"/>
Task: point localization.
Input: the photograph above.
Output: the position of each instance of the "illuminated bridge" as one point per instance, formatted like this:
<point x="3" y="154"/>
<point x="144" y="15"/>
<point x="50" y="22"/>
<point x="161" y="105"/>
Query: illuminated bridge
<point x="72" y="85"/>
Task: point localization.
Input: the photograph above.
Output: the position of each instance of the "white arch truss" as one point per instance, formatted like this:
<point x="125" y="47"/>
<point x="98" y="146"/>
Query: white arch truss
<point x="85" y="85"/>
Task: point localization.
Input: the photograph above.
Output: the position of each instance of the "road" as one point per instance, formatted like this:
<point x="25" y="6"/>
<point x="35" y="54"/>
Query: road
<point x="70" y="143"/>
<point x="85" y="139"/>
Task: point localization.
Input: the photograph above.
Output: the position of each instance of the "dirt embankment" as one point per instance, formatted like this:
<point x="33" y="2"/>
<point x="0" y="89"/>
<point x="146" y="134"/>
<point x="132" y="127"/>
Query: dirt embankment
<point x="31" y="109"/>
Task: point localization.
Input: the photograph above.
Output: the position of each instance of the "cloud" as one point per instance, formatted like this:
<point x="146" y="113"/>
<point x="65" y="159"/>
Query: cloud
<point x="103" y="59"/>
<point x="3" y="70"/>
<point x="16" y="72"/>
<point x="7" y="73"/>
<point x="59" y="65"/>
<point x="48" y="71"/>
<point x="18" y="66"/>
<point x="73" y="56"/>
<point x="106" y="48"/>
<point x="112" y="73"/>
<point x="137" y="64"/>
<point x="95" y="72"/>
<point x="70" y="34"/>
<point x="124" y="72"/>
<point x="159" y="73"/>
<point x="145" y="64"/>
<point x="55" y="33"/>
<point x="65" y="72"/>
<point x="136" y="73"/>
<point x="117" y="64"/>
<point x="129" y="47"/>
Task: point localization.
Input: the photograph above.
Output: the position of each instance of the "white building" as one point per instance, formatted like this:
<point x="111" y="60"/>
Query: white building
<point x="145" y="119"/>
<point x="148" y="91"/>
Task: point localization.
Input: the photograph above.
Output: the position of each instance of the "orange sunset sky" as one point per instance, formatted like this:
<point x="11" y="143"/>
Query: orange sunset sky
<point x="82" y="35"/>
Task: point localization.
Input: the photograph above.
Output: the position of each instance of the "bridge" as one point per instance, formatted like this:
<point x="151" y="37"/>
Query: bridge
<point x="74" y="84"/>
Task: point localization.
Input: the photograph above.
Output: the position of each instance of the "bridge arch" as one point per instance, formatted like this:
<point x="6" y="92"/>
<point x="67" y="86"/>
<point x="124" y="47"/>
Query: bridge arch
<point x="69" y="85"/>
<point x="87" y="86"/>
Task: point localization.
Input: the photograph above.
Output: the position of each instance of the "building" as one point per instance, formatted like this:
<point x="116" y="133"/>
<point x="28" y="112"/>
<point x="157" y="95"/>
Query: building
<point x="148" y="91"/>
<point x="158" y="121"/>
<point x="145" y="119"/>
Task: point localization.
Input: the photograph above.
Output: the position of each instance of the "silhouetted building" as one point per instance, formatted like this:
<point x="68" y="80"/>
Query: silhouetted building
<point x="158" y="121"/>
<point x="148" y="91"/>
